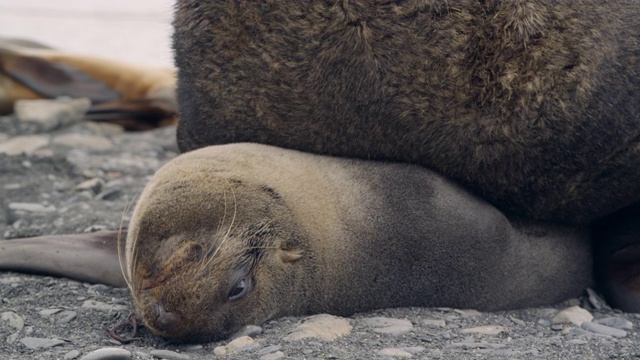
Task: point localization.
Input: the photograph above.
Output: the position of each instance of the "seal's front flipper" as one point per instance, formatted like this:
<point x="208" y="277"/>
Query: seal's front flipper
<point x="617" y="244"/>
<point x="89" y="257"/>
<point x="51" y="79"/>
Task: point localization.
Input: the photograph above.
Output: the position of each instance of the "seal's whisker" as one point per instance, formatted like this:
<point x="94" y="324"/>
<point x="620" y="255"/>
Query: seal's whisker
<point x="119" y="241"/>
<point x="233" y="219"/>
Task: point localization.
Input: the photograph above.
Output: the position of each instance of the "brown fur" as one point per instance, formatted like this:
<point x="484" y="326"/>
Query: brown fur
<point x="314" y="234"/>
<point x="534" y="105"/>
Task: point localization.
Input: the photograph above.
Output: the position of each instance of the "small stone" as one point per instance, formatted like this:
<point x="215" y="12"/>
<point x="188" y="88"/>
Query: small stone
<point x="573" y="315"/>
<point x="389" y="325"/>
<point x="616" y="322"/>
<point x="71" y="355"/>
<point x="220" y="351"/>
<point x="98" y="305"/>
<point x="51" y="114"/>
<point x="67" y="316"/>
<point x="111" y="194"/>
<point x="595" y="300"/>
<point x="94" y="185"/>
<point x="168" y="354"/>
<point x="557" y="327"/>
<point x="93" y="142"/>
<point x="110" y="353"/>
<point x="273" y="356"/>
<point x="544" y="322"/>
<point x="603" y="329"/>
<point x="98" y="288"/>
<point x="468" y="313"/>
<point x="49" y="312"/>
<point x="193" y="347"/>
<point x="394" y="352"/>
<point x="323" y="326"/>
<point x="240" y="344"/>
<point x="249" y="330"/>
<point x="516" y="321"/>
<point x="485" y="330"/>
<point x="269" y="349"/>
<point x="39" y="343"/>
<point x="24" y="145"/>
<point x="31" y="208"/>
<point x="15" y="321"/>
<point x="434" y="322"/>
<point x="415" y="349"/>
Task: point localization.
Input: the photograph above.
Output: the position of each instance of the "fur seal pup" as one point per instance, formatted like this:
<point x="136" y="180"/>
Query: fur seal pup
<point x="237" y="234"/>
<point x="137" y="97"/>
<point x="531" y="104"/>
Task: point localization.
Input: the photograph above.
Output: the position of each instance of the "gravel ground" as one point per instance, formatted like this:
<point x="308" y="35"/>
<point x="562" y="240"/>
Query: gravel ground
<point x="82" y="176"/>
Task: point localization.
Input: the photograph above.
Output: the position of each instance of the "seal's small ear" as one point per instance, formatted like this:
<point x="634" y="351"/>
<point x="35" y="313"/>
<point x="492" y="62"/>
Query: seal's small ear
<point x="289" y="255"/>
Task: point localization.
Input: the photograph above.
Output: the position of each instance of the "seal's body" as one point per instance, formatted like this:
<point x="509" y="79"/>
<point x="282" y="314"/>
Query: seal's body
<point x="232" y="235"/>
<point x="531" y="104"/>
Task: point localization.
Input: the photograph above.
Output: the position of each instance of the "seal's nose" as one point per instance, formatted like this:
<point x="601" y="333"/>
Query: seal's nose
<point x="165" y="321"/>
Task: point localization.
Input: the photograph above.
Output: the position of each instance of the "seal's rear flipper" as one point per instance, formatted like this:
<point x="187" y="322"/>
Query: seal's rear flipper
<point x="617" y="244"/>
<point x="89" y="257"/>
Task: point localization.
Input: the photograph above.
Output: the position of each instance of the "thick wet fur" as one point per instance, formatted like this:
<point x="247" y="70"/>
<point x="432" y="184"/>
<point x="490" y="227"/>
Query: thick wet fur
<point x="534" y="105"/>
<point x="233" y="235"/>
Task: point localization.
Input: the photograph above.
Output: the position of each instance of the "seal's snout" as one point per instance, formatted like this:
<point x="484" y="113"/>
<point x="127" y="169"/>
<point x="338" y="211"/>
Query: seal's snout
<point x="165" y="321"/>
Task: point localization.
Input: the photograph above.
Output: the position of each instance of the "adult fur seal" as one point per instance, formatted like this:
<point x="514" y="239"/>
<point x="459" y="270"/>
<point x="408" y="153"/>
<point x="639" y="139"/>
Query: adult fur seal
<point x="137" y="97"/>
<point x="232" y="235"/>
<point x="531" y="104"/>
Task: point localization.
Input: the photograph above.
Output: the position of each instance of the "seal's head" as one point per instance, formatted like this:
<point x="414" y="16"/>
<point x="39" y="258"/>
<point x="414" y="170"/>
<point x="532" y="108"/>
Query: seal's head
<point x="209" y="250"/>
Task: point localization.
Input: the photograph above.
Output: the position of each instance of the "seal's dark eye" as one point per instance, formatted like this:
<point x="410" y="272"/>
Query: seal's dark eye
<point x="239" y="289"/>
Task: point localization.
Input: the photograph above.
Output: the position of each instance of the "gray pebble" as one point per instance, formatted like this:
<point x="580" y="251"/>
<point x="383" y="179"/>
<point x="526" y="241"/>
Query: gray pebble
<point x="573" y="315"/>
<point x="616" y="322"/>
<point x="269" y="349"/>
<point x="51" y="114"/>
<point x="94" y="185"/>
<point x="98" y="288"/>
<point x="49" y="312"/>
<point x="14" y="320"/>
<point x="31" y="208"/>
<point x="98" y="305"/>
<point x="434" y="322"/>
<point x="273" y="356"/>
<point x="111" y="194"/>
<point x="192" y="347"/>
<point x="75" y="141"/>
<point x="249" y="330"/>
<point x="389" y="326"/>
<point x="394" y="352"/>
<point x="168" y="354"/>
<point x="544" y="322"/>
<point x="595" y="300"/>
<point x="39" y="343"/>
<point x="67" y="316"/>
<point x="71" y="355"/>
<point x="109" y="353"/>
<point x="28" y="144"/>
<point x="603" y="329"/>
<point x="468" y="313"/>
<point x="557" y="327"/>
